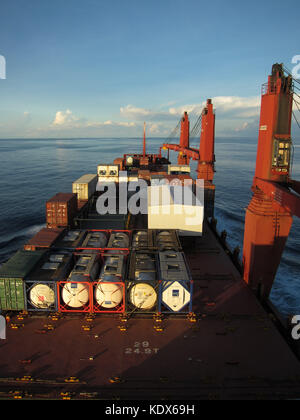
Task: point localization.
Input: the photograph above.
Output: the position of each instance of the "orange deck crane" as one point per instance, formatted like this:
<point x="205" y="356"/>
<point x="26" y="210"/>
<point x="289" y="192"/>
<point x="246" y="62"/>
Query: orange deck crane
<point x="205" y="156"/>
<point x="269" y="215"/>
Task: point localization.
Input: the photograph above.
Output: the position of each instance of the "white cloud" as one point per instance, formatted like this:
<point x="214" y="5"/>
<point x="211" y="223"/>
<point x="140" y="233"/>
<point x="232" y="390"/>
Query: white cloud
<point x="243" y="127"/>
<point x="234" y="115"/>
<point x="143" y="114"/>
<point x="64" y="118"/>
<point x="237" y="107"/>
<point x="67" y="120"/>
<point x="111" y="124"/>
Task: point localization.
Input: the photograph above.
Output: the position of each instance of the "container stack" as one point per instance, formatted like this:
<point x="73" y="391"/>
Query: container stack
<point x="41" y="283"/>
<point x="71" y="240"/>
<point x="61" y="210"/>
<point x="108" y="173"/>
<point x="75" y="294"/>
<point x="98" y="271"/>
<point x="12" y="279"/>
<point x="85" y="187"/>
<point x="176" y="287"/>
<point x="109" y="289"/>
<point x="44" y="239"/>
<point x="142" y="286"/>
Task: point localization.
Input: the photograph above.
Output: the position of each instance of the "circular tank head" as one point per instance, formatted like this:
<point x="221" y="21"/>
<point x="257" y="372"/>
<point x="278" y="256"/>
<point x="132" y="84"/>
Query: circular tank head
<point x="175" y="296"/>
<point x="75" y="295"/>
<point x="42" y="296"/>
<point x="108" y="295"/>
<point x="129" y="161"/>
<point x="143" y="296"/>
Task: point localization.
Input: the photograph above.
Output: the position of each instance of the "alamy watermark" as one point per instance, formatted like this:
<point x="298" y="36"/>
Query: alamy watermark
<point x="2" y="328"/>
<point x="2" y="67"/>
<point x="162" y="198"/>
<point x="296" y="69"/>
<point x="296" y="330"/>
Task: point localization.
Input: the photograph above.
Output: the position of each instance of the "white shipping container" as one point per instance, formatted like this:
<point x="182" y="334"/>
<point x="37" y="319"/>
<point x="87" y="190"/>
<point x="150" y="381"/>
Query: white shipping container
<point x="179" y="169"/>
<point x="175" y="296"/>
<point x="85" y="186"/>
<point x="166" y="210"/>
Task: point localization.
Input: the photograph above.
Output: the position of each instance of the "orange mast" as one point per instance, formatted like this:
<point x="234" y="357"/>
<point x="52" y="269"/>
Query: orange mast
<point x="207" y="144"/>
<point x="144" y="148"/>
<point x="183" y="159"/>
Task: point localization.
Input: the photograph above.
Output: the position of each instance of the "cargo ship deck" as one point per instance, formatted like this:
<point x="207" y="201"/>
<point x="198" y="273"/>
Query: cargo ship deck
<point x="232" y="351"/>
<point x="157" y="307"/>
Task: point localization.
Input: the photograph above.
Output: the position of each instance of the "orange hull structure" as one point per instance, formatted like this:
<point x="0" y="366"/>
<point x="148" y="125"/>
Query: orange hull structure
<point x="267" y="228"/>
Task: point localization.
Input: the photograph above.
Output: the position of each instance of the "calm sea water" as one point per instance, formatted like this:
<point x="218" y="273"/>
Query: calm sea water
<point x="32" y="171"/>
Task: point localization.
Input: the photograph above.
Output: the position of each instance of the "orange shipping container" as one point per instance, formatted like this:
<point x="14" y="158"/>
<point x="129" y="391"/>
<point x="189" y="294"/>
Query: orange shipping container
<point x="61" y="210"/>
<point x="45" y="238"/>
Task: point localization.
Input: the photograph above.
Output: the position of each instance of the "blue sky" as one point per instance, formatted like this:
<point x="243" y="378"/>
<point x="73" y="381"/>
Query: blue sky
<point x="101" y="68"/>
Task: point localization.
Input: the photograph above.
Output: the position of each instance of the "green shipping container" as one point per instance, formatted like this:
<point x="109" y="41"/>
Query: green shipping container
<point x="12" y="275"/>
<point x="12" y="296"/>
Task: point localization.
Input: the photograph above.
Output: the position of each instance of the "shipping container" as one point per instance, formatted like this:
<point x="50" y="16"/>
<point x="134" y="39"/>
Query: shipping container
<point x="44" y="239"/>
<point x="165" y="240"/>
<point x="176" y="297"/>
<point x="119" y="240"/>
<point x="108" y="173"/>
<point x="71" y="239"/>
<point x="141" y="297"/>
<point x="167" y="209"/>
<point x="109" y="297"/>
<point x="12" y="275"/>
<point x="76" y="294"/>
<point x="41" y="283"/>
<point x="179" y="169"/>
<point x="113" y="268"/>
<point x="142" y="239"/>
<point x="41" y="296"/>
<point x="12" y="294"/>
<point x="87" y="265"/>
<point x="85" y="186"/>
<point x="176" y="286"/>
<point x="142" y="286"/>
<point x="171" y="256"/>
<point x="61" y="210"/>
<point x="97" y="240"/>
<point x="173" y="267"/>
<point x="109" y="290"/>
